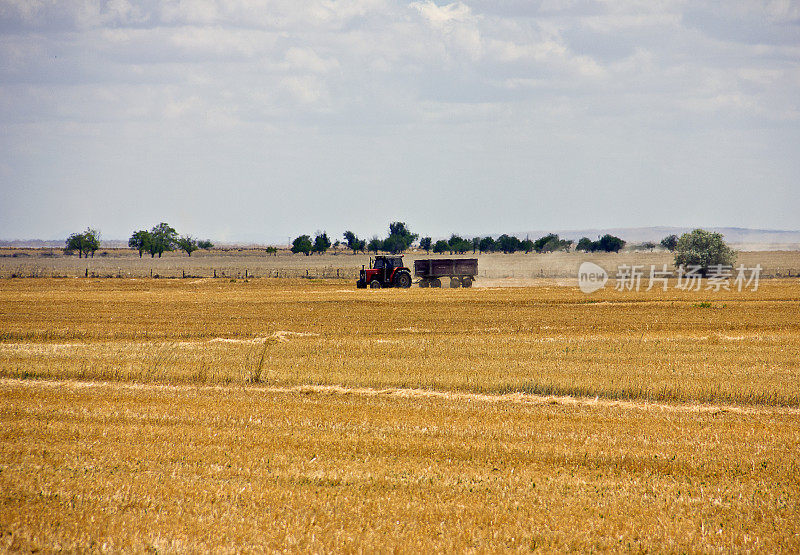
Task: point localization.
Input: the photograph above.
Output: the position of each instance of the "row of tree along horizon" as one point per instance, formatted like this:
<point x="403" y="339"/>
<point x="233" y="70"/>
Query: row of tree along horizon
<point x="400" y="239"/>
<point x="164" y="238"/>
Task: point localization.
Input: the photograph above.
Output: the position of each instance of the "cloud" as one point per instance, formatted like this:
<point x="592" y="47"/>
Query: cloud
<point x="562" y="77"/>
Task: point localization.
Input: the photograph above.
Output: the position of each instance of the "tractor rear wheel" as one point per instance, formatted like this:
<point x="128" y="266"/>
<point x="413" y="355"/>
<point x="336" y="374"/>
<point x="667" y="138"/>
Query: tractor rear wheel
<point x="402" y="279"/>
<point x="374" y="284"/>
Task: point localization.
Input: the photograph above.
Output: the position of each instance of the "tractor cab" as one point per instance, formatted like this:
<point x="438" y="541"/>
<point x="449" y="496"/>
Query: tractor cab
<point x="385" y="271"/>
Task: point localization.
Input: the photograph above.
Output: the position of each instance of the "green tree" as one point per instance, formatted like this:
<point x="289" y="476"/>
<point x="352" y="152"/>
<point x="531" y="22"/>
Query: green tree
<point x="585" y="244"/>
<point x="551" y="243"/>
<point x="205" y="244"/>
<point x="375" y="245"/>
<point x="704" y="249"/>
<point x="458" y="244"/>
<point x="526" y="245"/>
<point x="394" y="244"/>
<point x="272" y="250"/>
<point x="476" y="241"/>
<point x="187" y="244"/>
<point x="425" y="243"/>
<point x="546" y="243"/>
<point x="163" y="238"/>
<point x="508" y="244"/>
<point x="321" y="243"/>
<point x="670" y="242"/>
<point x="648" y="245"/>
<point x="441" y="246"/>
<point x="302" y="244"/>
<point x="353" y="242"/>
<point x="85" y="243"/>
<point x="139" y="241"/>
<point x="609" y="243"/>
<point x="400" y="238"/>
<point x="487" y="245"/>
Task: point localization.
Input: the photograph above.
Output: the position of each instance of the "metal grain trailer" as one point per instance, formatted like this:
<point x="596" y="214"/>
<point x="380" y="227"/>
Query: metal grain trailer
<point x="431" y="271"/>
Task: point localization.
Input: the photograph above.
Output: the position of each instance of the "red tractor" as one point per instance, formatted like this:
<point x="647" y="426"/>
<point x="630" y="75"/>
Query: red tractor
<point x="385" y="271"/>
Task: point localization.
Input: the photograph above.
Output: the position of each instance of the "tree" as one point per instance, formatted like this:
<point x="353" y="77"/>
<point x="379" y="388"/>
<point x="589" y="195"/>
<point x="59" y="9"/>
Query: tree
<point x="302" y="244"/>
<point x="321" y="243"/>
<point x="648" y="245"/>
<point x="704" y="249"/>
<point x="400" y="238"/>
<point x="353" y="242"/>
<point x="508" y="244"/>
<point x="526" y="245"/>
<point x="205" y="244"/>
<point x="425" y="243"/>
<point x="476" y="241"/>
<point x="375" y="244"/>
<point x="551" y="243"/>
<point x="585" y="244"/>
<point x="458" y="244"/>
<point x="85" y="243"/>
<point x="162" y="238"/>
<point x="394" y="244"/>
<point x="75" y="243"/>
<point x="441" y="246"/>
<point x="272" y="250"/>
<point x="670" y="242"/>
<point x="487" y="245"/>
<point x="187" y="244"/>
<point x="139" y="241"/>
<point x="609" y="243"/>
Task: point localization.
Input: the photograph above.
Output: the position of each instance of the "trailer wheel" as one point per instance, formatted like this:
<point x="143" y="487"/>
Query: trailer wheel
<point x="455" y="282"/>
<point x="436" y="282"/>
<point x="466" y="281"/>
<point x="374" y="284"/>
<point x="403" y="279"/>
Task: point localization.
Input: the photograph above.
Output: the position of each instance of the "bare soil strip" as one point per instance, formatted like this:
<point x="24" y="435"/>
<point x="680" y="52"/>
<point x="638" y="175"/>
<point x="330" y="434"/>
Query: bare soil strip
<point x="415" y="393"/>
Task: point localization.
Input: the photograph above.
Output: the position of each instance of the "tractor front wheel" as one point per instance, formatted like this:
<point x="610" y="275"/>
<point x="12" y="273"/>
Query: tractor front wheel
<point x="374" y="284"/>
<point x="403" y="279"/>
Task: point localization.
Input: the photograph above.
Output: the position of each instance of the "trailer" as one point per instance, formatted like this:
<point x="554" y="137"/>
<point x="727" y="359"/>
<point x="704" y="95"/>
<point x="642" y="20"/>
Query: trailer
<point x="431" y="271"/>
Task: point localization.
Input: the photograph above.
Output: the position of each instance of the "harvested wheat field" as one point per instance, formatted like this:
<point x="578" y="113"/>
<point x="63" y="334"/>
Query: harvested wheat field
<point x="300" y="414"/>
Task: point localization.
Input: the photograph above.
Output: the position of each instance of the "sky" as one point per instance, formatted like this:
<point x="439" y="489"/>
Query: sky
<point x="260" y="120"/>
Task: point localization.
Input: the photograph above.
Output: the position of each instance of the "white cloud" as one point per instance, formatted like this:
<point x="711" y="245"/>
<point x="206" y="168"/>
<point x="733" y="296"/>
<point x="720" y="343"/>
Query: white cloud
<point x="474" y="73"/>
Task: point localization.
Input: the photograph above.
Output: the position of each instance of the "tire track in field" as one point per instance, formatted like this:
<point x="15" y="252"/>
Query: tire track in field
<point x="411" y="393"/>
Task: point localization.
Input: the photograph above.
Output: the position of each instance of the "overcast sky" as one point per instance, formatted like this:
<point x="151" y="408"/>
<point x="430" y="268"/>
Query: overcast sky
<point x="256" y="120"/>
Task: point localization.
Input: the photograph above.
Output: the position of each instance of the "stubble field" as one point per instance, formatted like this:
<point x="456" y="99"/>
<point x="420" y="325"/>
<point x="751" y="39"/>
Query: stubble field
<point x="217" y="414"/>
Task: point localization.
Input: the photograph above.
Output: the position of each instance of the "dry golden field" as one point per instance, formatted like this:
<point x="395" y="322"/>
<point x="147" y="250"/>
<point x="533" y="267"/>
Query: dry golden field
<point x="304" y="414"/>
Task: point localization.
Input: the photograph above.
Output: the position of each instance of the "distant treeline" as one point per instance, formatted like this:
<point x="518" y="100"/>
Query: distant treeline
<point x="400" y="239"/>
<point x="163" y="238"/>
